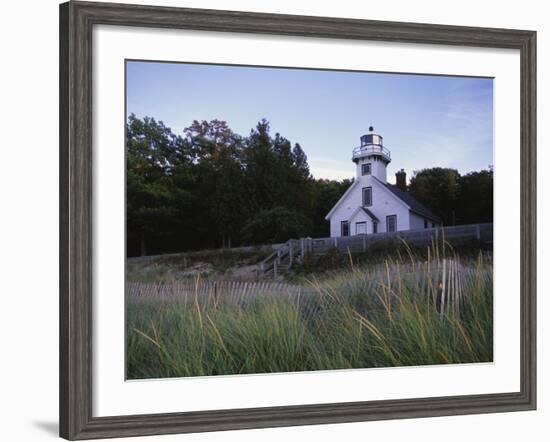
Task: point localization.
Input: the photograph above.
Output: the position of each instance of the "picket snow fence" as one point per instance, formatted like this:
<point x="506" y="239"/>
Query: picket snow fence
<point x="445" y="282"/>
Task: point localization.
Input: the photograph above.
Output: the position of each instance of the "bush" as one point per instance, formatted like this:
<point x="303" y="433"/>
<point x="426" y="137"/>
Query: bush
<point x="275" y="226"/>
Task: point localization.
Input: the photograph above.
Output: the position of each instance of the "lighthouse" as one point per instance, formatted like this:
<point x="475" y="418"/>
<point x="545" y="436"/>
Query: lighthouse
<point x="371" y="157"/>
<point x="371" y="205"/>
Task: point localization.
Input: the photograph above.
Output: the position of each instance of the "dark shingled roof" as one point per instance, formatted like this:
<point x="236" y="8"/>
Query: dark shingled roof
<point x="411" y="202"/>
<point x="370" y="214"/>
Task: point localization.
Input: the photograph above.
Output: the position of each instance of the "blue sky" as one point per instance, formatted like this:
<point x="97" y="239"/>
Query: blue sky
<point x="426" y="120"/>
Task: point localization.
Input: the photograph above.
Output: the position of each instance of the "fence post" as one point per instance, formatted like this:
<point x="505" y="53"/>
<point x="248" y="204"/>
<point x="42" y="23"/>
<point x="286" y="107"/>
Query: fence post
<point x="443" y="294"/>
<point x="365" y="242"/>
<point x="290" y="253"/>
<point x="302" y="251"/>
<point x="478" y="232"/>
<point x="275" y="268"/>
<point x="437" y="233"/>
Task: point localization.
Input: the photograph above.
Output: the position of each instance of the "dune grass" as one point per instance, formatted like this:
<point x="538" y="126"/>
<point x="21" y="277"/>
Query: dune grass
<point x="396" y="314"/>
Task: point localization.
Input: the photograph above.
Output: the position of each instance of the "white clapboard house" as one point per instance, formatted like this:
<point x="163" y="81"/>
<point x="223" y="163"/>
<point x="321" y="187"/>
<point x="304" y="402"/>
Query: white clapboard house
<point x="371" y="204"/>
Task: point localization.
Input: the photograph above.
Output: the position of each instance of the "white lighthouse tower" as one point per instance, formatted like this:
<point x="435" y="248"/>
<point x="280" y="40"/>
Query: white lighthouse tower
<point x="371" y="157"/>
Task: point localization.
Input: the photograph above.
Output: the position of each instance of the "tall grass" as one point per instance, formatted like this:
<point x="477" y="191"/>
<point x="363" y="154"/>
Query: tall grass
<point x="404" y="312"/>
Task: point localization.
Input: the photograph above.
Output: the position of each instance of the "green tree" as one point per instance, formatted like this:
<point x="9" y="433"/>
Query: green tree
<point x="217" y="154"/>
<point x="475" y="198"/>
<point x="262" y="175"/>
<point x="150" y="197"/>
<point x="276" y="175"/>
<point x="299" y="159"/>
<point x="276" y="225"/>
<point x="437" y="189"/>
<point x="211" y="187"/>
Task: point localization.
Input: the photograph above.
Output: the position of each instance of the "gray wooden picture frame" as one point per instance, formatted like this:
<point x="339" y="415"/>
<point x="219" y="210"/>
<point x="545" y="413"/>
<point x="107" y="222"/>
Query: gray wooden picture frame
<point x="76" y="163"/>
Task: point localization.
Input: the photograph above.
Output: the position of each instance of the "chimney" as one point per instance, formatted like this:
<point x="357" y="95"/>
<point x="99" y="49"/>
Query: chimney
<point x="401" y="180"/>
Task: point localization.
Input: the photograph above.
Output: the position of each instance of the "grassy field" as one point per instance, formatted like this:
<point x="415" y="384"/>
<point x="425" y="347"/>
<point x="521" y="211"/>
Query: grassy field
<point x="398" y="313"/>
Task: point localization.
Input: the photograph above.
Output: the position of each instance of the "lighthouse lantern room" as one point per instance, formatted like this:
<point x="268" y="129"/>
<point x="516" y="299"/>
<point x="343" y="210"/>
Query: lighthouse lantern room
<point x="371" y="157"/>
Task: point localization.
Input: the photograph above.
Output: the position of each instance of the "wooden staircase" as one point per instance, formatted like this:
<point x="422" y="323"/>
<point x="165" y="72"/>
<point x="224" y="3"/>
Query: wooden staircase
<point x="281" y="260"/>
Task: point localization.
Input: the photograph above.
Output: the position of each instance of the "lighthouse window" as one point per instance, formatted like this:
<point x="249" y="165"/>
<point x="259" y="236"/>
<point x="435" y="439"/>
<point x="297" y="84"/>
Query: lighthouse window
<point x="366" y="169"/>
<point x="367" y="196"/>
<point x="366" y="139"/>
<point x="391" y="223"/>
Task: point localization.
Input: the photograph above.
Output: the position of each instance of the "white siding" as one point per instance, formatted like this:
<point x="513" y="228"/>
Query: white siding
<point x="384" y="203"/>
<point x="417" y="222"/>
<point x="344" y="211"/>
<point x="394" y="208"/>
<point x="378" y="167"/>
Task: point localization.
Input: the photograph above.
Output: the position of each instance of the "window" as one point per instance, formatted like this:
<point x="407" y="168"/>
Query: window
<point x="366" y="139"/>
<point x="366" y="169"/>
<point x="367" y="196"/>
<point x="360" y="228"/>
<point x="375" y="227"/>
<point x="425" y="223"/>
<point x="344" y="228"/>
<point x="391" y="223"/>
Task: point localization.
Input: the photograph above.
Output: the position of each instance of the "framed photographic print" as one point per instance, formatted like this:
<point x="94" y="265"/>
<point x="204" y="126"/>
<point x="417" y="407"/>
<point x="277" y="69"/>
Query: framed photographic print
<point x="272" y="220"/>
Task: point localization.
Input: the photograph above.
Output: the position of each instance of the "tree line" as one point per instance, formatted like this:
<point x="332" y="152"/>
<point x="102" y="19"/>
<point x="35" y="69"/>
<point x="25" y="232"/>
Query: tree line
<point x="456" y="199"/>
<point x="210" y="187"/>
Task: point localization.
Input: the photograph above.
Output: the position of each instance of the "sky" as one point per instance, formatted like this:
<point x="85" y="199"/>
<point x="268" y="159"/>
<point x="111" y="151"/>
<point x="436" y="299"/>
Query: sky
<point x="426" y="120"/>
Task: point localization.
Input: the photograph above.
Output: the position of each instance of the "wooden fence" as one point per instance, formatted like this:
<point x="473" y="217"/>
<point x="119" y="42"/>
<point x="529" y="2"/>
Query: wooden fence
<point x="445" y="282"/>
<point x="231" y="291"/>
<point x="361" y="243"/>
<point x="282" y="259"/>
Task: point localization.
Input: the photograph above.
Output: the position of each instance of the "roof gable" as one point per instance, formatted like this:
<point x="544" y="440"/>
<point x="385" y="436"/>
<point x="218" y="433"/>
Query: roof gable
<point x="366" y="211"/>
<point x="371" y="215"/>
<point x="342" y="198"/>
